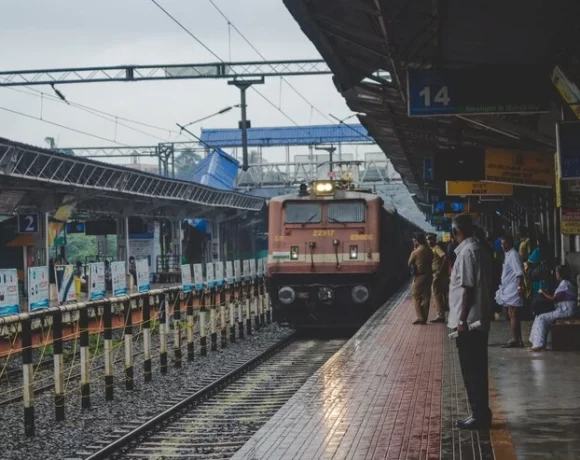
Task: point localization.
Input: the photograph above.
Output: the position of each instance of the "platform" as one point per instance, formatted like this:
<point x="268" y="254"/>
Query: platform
<point x="395" y="390"/>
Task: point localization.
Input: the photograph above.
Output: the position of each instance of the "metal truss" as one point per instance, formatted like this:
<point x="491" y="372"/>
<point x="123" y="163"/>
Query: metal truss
<point x="69" y="173"/>
<point x="125" y="73"/>
<point x="271" y="175"/>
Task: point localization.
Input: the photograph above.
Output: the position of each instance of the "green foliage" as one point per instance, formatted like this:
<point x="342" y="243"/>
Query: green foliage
<point x="82" y="247"/>
<point x="185" y="164"/>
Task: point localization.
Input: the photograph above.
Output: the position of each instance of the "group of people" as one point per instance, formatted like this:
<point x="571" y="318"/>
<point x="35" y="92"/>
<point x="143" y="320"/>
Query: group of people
<point x="465" y="282"/>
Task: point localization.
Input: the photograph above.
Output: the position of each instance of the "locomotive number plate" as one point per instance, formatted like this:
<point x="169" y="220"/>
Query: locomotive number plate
<point x="361" y="237"/>
<point x="323" y="233"/>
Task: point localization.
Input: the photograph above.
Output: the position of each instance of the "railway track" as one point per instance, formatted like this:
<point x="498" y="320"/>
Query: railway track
<point x="216" y="419"/>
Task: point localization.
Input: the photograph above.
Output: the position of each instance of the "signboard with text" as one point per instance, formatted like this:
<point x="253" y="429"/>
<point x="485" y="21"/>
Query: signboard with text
<point x="9" y="300"/>
<point x="531" y="169"/>
<point x="568" y="148"/>
<point x="219" y="273"/>
<point x="466" y="188"/>
<point x="570" y="221"/>
<point x="567" y="89"/>
<point x="230" y="272"/>
<point x="186" y="278"/>
<point x="118" y="278"/>
<point x="209" y="274"/>
<point x="142" y="266"/>
<point x="198" y="276"/>
<point x="65" y="283"/>
<point x="37" y="288"/>
<point x="97" y="281"/>
<point x="476" y="91"/>
<point x="27" y="223"/>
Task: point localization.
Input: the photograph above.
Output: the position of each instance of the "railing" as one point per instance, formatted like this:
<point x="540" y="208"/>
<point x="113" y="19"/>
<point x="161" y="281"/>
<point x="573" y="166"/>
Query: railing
<point x="68" y="343"/>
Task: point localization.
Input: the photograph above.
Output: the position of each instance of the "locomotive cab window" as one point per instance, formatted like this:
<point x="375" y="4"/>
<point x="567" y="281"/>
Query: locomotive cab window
<point x="303" y="213"/>
<point x="346" y="212"/>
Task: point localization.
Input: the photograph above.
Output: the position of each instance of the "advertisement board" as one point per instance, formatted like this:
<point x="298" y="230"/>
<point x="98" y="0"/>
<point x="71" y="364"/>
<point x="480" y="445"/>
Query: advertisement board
<point x="65" y="282"/>
<point x="186" y="278"/>
<point x="118" y="278"/>
<point x="219" y="273"/>
<point x="9" y="298"/>
<point x="467" y="188"/>
<point x="238" y="270"/>
<point x="230" y="272"/>
<point x="198" y="276"/>
<point x="142" y="267"/>
<point x="209" y="274"/>
<point x="37" y="288"/>
<point x="97" y="281"/>
<point x="570" y="221"/>
<point x="531" y="169"/>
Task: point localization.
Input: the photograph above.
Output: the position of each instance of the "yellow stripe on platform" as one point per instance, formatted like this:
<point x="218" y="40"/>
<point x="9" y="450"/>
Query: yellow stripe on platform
<point x="501" y="438"/>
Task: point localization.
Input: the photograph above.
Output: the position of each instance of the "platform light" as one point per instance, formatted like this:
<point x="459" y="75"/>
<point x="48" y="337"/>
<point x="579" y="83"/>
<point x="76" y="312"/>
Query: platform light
<point x="354" y="252"/>
<point x="323" y="188"/>
<point x="294" y="253"/>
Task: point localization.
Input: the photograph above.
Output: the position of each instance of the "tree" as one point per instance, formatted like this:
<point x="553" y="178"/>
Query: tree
<point x="185" y="164"/>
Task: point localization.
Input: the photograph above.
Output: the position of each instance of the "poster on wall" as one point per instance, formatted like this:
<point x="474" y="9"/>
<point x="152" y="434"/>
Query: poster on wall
<point x="37" y="288"/>
<point x="119" y="278"/>
<point x="198" y="276"/>
<point x="9" y="300"/>
<point x="229" y="272"/>
<point x="209" y="275"/>
<point x="237" y="270"/>
<point x="219" y="273"/>
<point x="246" y="269"/>
<point x="142" y="266"/>
<point x="186" y="278"/>
<point x="65" y="282"/>
<point x="97" y="281"/>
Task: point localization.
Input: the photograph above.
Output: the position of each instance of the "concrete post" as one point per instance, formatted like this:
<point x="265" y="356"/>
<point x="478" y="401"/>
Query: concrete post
<point x="108" y="338"/>
<point x="85" y="359"/>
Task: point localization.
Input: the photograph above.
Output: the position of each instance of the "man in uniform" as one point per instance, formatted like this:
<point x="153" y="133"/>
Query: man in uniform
<point x="440" y="285"/>
<point x="421" y="261"/>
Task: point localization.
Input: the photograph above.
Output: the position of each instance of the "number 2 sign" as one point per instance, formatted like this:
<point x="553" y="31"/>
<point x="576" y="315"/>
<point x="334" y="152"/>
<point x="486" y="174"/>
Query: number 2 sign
<point x="27" y="223"/>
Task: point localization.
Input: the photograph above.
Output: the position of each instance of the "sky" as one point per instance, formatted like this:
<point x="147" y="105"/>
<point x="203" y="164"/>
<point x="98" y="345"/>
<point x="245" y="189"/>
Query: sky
<point x="70" y="33"/>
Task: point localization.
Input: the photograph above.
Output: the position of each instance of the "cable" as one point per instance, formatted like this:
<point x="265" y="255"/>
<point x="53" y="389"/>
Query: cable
<point x="233" y="26"/>
<point x="15" y="112"/>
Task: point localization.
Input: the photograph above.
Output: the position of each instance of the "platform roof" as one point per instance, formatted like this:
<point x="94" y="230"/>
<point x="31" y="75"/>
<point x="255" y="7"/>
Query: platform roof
<point x="357" y="39"/>
<point x="288" y="135"/>
<point x="34" y="179"/>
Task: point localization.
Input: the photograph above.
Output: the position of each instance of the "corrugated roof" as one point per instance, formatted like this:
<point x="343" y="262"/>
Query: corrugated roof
<point x="287" y="135"/>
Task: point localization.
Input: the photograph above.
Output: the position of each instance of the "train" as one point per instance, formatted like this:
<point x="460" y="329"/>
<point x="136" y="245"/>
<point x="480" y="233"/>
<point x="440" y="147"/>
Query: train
<point x="335" y="253"/>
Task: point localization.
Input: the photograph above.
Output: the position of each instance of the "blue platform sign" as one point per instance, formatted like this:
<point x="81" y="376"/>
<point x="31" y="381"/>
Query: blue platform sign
<point x="568" y="145"/>
<point x="490" y="90"/>
<point x="27" y="223"/>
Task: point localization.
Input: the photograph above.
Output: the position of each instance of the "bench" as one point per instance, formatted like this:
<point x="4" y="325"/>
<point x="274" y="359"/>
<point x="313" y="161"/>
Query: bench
<point x="566" y="334"/>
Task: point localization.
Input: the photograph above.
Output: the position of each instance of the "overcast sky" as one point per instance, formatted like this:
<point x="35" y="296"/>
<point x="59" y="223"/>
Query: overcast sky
<point x="40" y="34"/>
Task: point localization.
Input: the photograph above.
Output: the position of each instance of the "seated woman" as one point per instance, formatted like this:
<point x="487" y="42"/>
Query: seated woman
<point x="565" y="305"/>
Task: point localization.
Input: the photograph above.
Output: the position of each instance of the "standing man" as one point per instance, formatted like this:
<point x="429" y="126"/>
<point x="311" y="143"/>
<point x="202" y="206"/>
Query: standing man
<point x="469" y="302"/>
<point x="440" y="285"/>
<point x="512" y="290"/>
<point x="421" y="261"/>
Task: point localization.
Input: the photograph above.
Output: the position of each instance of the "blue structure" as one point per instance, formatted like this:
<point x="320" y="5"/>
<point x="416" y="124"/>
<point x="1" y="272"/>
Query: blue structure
<point x="292" y="135"/>
<point x="218" y="170"/>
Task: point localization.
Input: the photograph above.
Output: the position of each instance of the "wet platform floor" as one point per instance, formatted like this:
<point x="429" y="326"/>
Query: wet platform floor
<point x="395" y="390"/>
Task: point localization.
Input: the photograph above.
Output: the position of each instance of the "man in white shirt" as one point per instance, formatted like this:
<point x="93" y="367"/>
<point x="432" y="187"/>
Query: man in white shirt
<point x="469" y="302"/>
<point x="511" y="290"/>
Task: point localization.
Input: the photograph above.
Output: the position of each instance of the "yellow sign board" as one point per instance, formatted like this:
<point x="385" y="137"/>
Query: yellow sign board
<point x="465" y="188"/>
<point x="570" y="222"/>
<point x="568" y="90"/>
<point x="517" y="167"/>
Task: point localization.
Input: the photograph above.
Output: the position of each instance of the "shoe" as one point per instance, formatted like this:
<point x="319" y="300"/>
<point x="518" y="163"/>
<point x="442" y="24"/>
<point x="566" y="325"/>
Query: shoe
<point x="418" y="321"/>
<point x="473" y="424"/>
<point x="437" y="320"/>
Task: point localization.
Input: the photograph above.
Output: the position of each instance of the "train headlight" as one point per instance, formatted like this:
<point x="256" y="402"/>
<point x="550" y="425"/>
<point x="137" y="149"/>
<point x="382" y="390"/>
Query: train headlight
<point x="287" y="295"/>
<point x="354" y="252"/>
<point x="323" y="188"/>
<point x="294" y="253"/>
<point x="360" y="294"/>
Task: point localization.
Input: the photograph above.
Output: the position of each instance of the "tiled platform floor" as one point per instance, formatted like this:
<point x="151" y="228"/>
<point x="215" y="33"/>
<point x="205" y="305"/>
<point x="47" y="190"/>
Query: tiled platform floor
<point x="395" y="390"/>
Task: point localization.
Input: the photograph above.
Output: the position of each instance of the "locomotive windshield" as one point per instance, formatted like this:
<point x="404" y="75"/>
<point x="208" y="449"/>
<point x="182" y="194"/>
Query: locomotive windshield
<point x="303" y="213"/>
<point x="346" y="212"/>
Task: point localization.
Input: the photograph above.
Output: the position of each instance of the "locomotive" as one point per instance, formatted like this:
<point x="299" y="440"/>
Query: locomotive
<point x="334" y="254"/>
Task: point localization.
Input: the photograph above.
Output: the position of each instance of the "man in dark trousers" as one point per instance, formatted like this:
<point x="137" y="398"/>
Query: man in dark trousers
<point x="470" y="301"/>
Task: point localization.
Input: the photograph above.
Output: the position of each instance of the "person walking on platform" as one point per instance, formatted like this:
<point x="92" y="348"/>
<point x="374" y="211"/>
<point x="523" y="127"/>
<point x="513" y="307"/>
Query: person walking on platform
<point x="512" y="290"/>
<point x="440" y="285"/>
<point x="470" y="302"/>
<point x="421" y="261"/>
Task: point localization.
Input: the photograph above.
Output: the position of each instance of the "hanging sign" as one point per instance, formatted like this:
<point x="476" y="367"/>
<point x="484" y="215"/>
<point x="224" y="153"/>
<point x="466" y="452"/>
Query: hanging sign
<point x="209" y="274"/>
<point x="142" y="267"/>
<point x="568" y="148"/>
<point x="37" y="288"/>
<point x="97" y="281"/>
<point x="567" y="89"/>
<point x="532" y="169"/>
<point x="465" y="188"/>
<point x="230" y="272"/>
<point x="119" y="278"/>
<point x="9" y="299"/>
<point x="476" y="91"/>
<point x="219" y="273"/>
<point x="186" y="278"/>
<point x="65" y="282"/>
<point x="570" y="221"/>
<point x="198" y="276"/>
<point x="28" y="223"/>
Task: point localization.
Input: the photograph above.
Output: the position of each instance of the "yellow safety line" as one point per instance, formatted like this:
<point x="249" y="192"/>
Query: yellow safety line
<point x="501" y="438"/>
